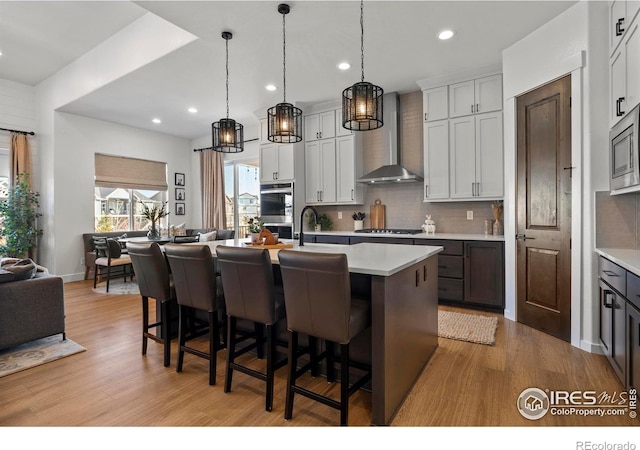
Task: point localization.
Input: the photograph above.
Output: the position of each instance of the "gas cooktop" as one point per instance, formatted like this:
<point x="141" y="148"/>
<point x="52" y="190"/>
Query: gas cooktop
<point x="389" y="231"/>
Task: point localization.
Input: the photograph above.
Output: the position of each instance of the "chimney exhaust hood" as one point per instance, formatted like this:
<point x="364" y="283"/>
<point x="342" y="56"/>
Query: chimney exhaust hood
<point x="392" y="172"/>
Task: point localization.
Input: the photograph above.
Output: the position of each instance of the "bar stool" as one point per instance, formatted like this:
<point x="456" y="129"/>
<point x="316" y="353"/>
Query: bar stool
<point x="319" y="303"/>
<point x="250" y="294"/>
<point x="154" y="281"/>
<point x="197" y="289"/>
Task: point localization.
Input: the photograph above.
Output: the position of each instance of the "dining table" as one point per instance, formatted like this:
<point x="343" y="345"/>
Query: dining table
<point x="402" y="281"/>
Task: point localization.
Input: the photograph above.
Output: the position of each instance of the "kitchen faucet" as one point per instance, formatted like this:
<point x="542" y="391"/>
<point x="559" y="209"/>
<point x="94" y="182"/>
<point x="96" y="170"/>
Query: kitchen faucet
<point x="315" y="218"/>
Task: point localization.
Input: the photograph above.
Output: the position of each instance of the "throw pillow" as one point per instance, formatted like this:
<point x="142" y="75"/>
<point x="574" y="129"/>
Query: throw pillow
<point x="6" y="276"/>
<point x="123" y="245"/>
<point x="100" y="246"/>
<point x="179" y="230"/>
<point x="204" y="237"/>
<point x="23" y="269"/>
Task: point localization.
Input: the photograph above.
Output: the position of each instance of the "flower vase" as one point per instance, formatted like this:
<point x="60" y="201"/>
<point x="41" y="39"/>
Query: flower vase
<point x="498" y="228"/>
<point x="153" y="233"/>
<point x="255" y="238"/>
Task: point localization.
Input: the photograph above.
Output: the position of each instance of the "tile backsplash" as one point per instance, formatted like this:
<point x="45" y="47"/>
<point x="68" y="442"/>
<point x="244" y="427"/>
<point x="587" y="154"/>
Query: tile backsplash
<point x="403" y="202"/>
<point x="617" y="220"/>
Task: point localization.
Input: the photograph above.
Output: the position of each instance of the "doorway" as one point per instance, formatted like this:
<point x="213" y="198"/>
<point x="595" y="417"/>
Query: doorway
<point x="543" y="208"/>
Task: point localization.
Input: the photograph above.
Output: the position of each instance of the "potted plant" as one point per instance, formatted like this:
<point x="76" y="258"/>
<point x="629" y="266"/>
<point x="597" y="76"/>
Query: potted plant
<point x="154" y="214"/>
<point x="255" y="227"/>
<point x="18" y="217"/>
<point x="324" y="222"/>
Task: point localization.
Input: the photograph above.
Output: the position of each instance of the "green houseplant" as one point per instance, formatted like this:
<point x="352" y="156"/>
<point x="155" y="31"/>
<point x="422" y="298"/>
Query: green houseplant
<point x="18" y="217"/>
<point x="323" y="220"/>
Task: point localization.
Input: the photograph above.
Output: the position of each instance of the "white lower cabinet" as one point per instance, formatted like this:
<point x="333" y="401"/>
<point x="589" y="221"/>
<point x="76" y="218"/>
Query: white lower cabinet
<point x="476" y="157"/>
<point x="320" y="171"/>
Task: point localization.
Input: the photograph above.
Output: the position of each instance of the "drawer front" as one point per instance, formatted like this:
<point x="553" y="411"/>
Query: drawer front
<point x="323" y="239"/>
<point x="450" y="289"/>
<point x="633" y="289"/>
<point x="450" y="266"/>
<point x="450" y="247"/>
<point x="614" y="275"/>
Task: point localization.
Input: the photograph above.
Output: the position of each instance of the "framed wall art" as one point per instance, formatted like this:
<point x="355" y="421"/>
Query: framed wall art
<point x="179" y="179"/>
<point x="180" y="209"/>
<point x="180" y="194"/>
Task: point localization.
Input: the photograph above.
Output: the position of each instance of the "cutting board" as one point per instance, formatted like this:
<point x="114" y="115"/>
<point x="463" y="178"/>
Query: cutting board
<point x="376" y="214"/>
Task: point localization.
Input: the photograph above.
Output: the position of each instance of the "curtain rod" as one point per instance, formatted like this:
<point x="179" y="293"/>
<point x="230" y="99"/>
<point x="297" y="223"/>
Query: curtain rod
<point x="18" y="131"/>
<point x="211" y="148"/>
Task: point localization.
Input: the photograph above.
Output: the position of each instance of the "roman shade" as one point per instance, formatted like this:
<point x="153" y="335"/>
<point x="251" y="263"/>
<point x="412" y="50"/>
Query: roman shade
<point x="130" y="173"/>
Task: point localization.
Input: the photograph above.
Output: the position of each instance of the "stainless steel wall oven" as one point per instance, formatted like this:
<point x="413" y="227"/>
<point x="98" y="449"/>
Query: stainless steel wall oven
<point x="276" y="208"/>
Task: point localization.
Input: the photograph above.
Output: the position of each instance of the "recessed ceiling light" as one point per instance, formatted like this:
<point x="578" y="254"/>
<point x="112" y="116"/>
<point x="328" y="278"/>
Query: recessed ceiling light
<point x="446" y="34"/>
<point x="156" y="120"/>
<point x="270" y="87"/>
<point x="192" y="110"/>
<point x="344" y="66"/>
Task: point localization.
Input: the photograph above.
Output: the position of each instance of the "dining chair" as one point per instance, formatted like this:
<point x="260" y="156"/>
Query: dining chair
<point x="154" y="281"/>
<point x="197" y="289"/>
<point x="319" y="303"/>
<point x="251" y="295"/>
<point x="109" y="256"/>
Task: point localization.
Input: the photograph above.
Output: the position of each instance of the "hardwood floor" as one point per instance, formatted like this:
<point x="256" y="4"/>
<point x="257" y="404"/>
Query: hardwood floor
<point x="112" y="384"/>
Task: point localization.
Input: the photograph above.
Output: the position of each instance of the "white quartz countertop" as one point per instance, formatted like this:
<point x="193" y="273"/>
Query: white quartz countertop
<point x="366" y="257"/>
<point x="441" y="236"/>
<point x="626" y="258"/>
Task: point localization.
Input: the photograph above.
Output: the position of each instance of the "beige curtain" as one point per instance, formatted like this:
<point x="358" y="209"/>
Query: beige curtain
<point x="20" y="156"/>
<point x="213" y="202"/>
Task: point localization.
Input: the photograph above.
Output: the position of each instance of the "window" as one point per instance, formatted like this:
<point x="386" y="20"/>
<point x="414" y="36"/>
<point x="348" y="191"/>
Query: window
<point x="242" y="193"/>
<point x="123" y="185"/>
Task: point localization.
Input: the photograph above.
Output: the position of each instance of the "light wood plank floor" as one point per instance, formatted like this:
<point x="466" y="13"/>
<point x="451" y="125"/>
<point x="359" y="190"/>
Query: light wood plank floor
<point x="112" y="384"/>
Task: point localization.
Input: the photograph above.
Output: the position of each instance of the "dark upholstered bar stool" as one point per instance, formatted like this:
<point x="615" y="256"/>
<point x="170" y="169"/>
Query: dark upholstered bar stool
<point x="152" y="274"/>
<point x="250" y="294"/>
<point x="197" y="288"/>
<point x="318" y="301"/>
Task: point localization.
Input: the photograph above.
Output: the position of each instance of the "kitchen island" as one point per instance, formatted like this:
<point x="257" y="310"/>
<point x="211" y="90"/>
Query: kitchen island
<point x="403" y="285"/>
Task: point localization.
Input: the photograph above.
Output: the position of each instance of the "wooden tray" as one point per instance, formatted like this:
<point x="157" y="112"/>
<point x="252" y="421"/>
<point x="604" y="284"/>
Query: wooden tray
<point x="278" y="245"/>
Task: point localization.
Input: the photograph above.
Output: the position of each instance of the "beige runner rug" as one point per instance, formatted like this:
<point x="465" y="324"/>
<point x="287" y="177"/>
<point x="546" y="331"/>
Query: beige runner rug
<point x="32" y="354"/>
<point x="467" y="327"/>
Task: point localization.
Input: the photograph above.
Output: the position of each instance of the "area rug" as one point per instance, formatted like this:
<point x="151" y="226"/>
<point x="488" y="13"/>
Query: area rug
<point x="118" y="287"/>
<point x="26" y="356"/>
<point x="467" y="327"/>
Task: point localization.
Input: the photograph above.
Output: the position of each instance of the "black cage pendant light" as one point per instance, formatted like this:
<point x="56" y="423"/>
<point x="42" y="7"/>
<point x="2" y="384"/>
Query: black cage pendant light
<point x="228" y="135"/>
<point x="284" y="121"/>
<point x="362" y="102"/>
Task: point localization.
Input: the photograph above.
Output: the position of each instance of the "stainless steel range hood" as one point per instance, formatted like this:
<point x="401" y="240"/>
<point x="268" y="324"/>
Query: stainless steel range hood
<point x="392" y="172"/>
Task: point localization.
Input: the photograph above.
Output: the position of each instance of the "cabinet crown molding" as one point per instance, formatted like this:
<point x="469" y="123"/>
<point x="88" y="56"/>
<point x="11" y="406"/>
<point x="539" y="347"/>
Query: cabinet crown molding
<point x="460" y="76"/>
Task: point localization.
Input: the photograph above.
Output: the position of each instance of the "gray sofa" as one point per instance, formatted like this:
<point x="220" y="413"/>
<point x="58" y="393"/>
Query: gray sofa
<point x="31" y="309"/>
<point x="90" y="254"/>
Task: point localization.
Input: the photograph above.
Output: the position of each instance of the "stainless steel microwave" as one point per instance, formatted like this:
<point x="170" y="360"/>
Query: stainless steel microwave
<point x="623" y="145"/>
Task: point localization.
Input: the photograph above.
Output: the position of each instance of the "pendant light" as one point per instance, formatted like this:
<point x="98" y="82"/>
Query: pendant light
<point x="228" y="135"/>
<point x="284" y="121"/>
<point x="362" y="102"/>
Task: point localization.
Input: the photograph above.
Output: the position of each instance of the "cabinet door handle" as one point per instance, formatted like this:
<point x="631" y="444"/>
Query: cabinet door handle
<point x="273" y="175"/>
<point x="478" y="189"/>
<point x="477" y="107"/>
<point x="424" y="272"/>
<point x="317" y="135"/>
<point x="426" y="191"/>
<point x="619" y="111"/>
<point x="425" y="116"/>
<point x="351" y="194"/>
<point x="619" y="29"/>
<point x="604" y="299"/>
<point x="473" y="189"/>
<point x="471" y="109"/>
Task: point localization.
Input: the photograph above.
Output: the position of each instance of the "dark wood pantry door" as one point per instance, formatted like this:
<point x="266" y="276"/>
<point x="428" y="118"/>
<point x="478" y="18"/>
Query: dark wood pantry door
<point x="544" y="208"/>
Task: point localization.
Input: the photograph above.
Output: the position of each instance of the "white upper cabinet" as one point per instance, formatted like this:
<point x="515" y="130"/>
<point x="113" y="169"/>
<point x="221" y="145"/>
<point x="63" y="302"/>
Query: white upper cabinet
<point x="436" y="160"/>
<point x="621" y="16"/>
<point x="276" y="162"/>
<point x="476" y="157"/>
<point x="624" y="67"/>
<point x="340" y="130"/>
<point x="264" y="132"/>
<point x="435" y="103"/>
<point x="348" y="169"/>
<point x="320" y="126"/>
<point x="320" y="171"/>
<point x="475" y="96"/>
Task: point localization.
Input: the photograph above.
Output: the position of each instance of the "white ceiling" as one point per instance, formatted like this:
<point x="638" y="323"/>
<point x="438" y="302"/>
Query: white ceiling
<point x="39" y="38"/>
